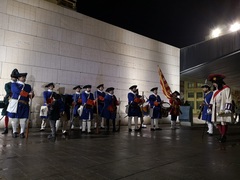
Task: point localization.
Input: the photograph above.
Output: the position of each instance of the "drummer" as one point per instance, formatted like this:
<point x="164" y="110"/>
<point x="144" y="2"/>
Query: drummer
<point x="155" y="108"/>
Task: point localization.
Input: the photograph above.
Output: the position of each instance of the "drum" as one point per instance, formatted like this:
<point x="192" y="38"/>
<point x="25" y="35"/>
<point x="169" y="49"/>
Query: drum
<point x="145" y="109"/>
<point x="166" y="107"/>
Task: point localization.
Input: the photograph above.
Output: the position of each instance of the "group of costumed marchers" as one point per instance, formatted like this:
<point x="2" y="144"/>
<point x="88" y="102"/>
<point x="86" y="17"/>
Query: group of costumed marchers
<point x="215" y="109"/>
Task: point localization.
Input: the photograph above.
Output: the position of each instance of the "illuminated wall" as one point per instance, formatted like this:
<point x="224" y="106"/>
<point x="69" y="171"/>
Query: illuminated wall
<point x="54" y="44"/>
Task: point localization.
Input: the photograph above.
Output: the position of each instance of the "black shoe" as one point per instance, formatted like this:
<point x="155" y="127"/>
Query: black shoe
<point x="65" y="133"/>
<point x="5" y="131"/>
<point x="137" y="130"/>
<point x="41" y="130"/>
<point x="22" y="135"/>
<point x="152" y="129"/>
<point x="210" y="134"/>
<point x="158" y="129"/>
<point x="223" y="139"/>
<point x="15" y="135"/>
<point x="51" y="136"/>
<point x="129" y="130"/>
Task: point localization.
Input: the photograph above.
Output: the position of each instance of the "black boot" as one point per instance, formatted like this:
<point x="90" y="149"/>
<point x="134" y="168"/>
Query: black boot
<point x="114" y="126"/>
<point x="107" y="124"/>
<point x="5" y="131"/>
<point x="223" y="139"/>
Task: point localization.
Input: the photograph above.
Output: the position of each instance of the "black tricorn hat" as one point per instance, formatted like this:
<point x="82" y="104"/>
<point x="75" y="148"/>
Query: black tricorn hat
<point x="133" y="86"/>
<point x="78" y="86"/>
<point x="155" y="88"/>
<point x="109" y="89"/>
<point x="21" y="74"/>
<point x="87" y="86"/>
<point x="50" y="84"/>
<point x="205" y="86"/>
<point x="100" y="85"/>
<point x="14" y="73"/>
<point x="176" y="92"/>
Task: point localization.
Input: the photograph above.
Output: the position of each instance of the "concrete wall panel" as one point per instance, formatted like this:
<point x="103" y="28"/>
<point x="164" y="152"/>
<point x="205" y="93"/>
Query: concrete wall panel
<point x="54" y="44"/>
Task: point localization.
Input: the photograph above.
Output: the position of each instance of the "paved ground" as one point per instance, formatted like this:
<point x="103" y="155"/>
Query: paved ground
<point x="185" y="153"/>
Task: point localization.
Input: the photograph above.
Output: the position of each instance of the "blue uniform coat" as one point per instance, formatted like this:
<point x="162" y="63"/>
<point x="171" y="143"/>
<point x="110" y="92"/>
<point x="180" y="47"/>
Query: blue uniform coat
<point x="23" y="108"/>
<point x="110" y="107"/>
<point x="87" y="112"/>
<point x="207" y="99"/>
<point x="156" y="109"/>
<point x="75" y="98"/>
<point x="100" y="94"/>
<point x="46" y="95"/>
<point x="134" y="109"/>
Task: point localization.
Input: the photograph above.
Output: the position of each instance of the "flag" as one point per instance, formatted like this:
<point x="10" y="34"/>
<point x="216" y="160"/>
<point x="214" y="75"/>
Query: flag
<point x="165" y="87"/>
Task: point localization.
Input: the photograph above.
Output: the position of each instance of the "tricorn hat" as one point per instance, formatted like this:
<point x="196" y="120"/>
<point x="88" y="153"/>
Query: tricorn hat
<point x="21" y="74"/>
<point x="109" y="89"/>
<point x="215" y="77"/>
<point x="155" y="88"/>
<point x="87" y="86"/>
<point x="14" y="73"/>
<point x="78" y="86"/>
<point x="133" y="86"/>
<point x="100" y="85"/>
<point x="176" y="92"/>
<point x="205" y="85"/>
<point x="50" y="84"/>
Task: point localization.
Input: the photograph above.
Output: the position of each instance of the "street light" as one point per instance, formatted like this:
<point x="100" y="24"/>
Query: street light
<point x="234" y="27"/>
<point x="216" y="32"/>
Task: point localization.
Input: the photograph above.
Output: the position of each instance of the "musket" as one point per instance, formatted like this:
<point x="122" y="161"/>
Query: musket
<point x="141" y="118"/>
<point x="72" y="113"/>
<point x="98" y="121"/>
<point x="29" y="117"/>
<point x="119" y="117"/>
<point x="200" y="113"/>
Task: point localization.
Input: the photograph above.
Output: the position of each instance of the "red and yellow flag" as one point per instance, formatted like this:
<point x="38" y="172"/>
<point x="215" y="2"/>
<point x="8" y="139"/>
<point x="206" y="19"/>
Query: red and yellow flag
<point x="165" y="87"/>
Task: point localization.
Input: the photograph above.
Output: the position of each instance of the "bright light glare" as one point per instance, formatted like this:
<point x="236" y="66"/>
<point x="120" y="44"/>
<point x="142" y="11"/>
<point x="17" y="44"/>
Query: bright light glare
<point x="234" y="27"/>
<point x="216" y="32"/>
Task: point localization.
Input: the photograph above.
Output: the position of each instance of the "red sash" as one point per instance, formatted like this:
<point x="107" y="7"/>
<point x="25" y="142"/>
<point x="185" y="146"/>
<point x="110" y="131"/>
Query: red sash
<point x="218" y="91"/>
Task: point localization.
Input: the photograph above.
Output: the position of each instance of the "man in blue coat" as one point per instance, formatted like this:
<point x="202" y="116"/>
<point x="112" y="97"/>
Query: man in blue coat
<point x="134" y="110"/>
<point x="88" y="103"/>
<point x="110" y="108"/>
<point x="8" y="95"/>
<point x="47" y="99"/>
<point x="23" y="92"/>
<point x="206" y="116"/>
<point x="155" y="108"/>
<point x="77" y="102"/>
<point x="99" y="97"/>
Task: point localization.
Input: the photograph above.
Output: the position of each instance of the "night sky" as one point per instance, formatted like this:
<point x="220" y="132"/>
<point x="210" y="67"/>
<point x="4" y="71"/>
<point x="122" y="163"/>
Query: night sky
<point x="176" y="22"/>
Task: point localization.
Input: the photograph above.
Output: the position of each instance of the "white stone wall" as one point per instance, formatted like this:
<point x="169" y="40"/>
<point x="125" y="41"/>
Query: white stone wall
<point x="55" y="44"/>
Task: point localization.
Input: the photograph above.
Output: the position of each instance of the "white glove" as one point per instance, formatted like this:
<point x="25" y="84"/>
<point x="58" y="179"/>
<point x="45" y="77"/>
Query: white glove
<point x="209" y="111"/>
<point x="227" y="111"/>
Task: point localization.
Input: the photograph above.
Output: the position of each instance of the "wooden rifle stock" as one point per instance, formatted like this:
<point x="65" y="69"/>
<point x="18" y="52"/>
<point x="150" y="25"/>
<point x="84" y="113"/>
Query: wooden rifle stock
<point x="141" y="118"/>
<point x="119" y="118"/>
<point x="29" y="119"/>
<point x="200" y="113"/>
<point x="98" y="121"/>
